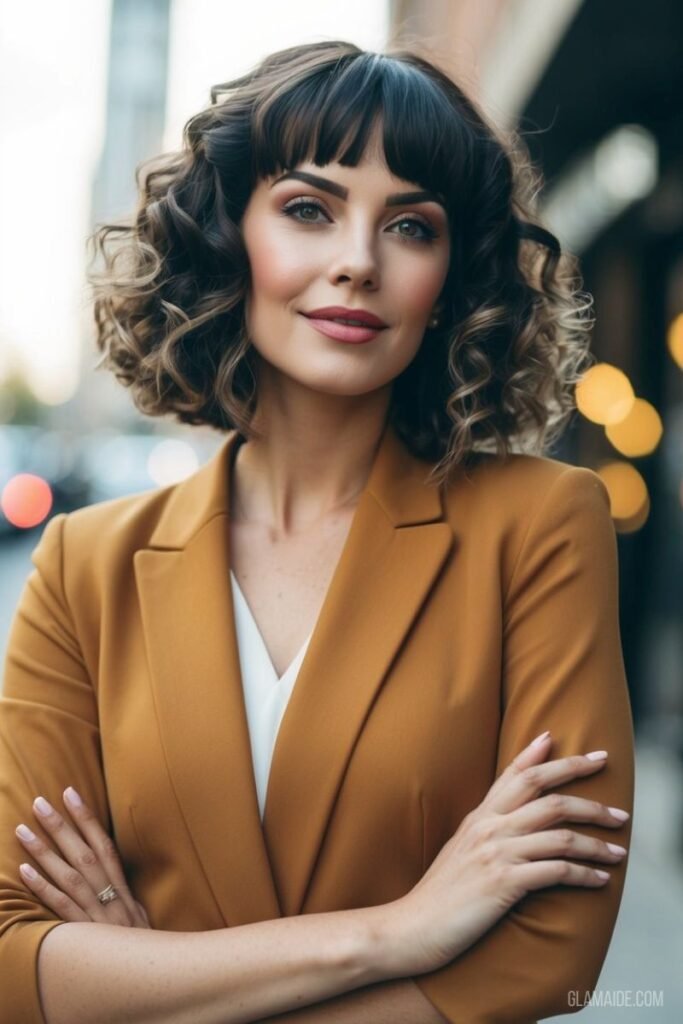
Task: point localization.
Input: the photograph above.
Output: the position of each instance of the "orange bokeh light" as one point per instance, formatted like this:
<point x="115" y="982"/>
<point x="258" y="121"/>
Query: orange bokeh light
<point x="639" y="432"/>
<point x="26" y="500"/>
<point x="604" y="394"/>
<point x="628" y="494"/>
<point x="675" y="339"/>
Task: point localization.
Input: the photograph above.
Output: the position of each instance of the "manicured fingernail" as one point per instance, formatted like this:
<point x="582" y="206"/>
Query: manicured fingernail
<point x="539" y="739"/>
<point x="24" y="832"/>
<point x="27" y="870"/>
<point x="72" y="797"/>
<point x="621" y="815"/>
<point x="597" y="755"/>
<point x="42" y="806"/>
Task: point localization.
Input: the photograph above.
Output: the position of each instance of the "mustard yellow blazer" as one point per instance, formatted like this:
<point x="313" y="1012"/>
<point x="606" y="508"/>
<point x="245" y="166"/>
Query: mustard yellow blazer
<point x="458" y="625"/>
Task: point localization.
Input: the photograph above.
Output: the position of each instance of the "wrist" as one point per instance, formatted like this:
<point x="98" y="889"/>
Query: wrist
<point x="386" y="951"/>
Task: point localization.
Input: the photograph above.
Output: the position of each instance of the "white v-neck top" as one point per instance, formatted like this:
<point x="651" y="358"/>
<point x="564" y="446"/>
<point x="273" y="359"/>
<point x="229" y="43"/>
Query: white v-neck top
<point x="265" y="694"/>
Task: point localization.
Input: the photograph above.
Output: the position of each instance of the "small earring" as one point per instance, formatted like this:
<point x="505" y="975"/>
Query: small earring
<point x="433" y="321"/>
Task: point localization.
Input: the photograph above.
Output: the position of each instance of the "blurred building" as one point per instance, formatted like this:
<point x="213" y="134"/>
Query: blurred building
<point x="135" y="120"/>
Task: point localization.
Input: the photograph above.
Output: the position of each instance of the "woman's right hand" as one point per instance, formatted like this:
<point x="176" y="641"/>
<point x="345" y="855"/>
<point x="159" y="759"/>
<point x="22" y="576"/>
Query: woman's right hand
<point x="507" y="847"/>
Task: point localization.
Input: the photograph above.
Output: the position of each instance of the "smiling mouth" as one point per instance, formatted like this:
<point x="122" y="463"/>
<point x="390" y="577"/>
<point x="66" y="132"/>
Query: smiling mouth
<point x="340" y="329"/>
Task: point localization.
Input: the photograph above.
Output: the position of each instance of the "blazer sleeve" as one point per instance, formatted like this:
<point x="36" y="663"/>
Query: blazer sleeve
<point x="49" y="739"/>
<point x="563" y="670"/>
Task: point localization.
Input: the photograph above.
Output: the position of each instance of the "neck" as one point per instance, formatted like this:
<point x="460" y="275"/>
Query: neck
<point x="312" y="461"/>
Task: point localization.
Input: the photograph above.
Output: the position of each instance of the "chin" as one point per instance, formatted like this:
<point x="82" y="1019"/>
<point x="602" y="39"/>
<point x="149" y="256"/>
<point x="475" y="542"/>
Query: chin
<point x="340" y="385"/>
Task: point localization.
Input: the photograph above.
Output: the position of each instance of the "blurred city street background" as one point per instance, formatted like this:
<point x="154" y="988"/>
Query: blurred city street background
<point x="596" y="90"/>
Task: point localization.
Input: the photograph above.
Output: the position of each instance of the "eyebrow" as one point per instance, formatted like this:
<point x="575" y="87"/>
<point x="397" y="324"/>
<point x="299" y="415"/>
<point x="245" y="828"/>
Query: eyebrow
<point x="396" y="199"/>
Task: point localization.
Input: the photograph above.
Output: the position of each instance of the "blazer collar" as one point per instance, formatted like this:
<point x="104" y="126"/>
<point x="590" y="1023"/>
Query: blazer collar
<point x="260" y="870"/>
<point x="396" y="483"/>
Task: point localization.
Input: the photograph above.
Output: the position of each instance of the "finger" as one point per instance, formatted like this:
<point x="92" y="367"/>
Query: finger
<point x="564" y="843"/>
<point x="541" y="873"/>
<point x="529" y="777"/>
<point x="66" y="878"/>
<point x="554" y="808"/>
<point x="51" y="897"/>
<point x="101" y="843"/>
<point x="78" y="873"/>
<point x="533" y="753"/>
<point x="69" y="842"/>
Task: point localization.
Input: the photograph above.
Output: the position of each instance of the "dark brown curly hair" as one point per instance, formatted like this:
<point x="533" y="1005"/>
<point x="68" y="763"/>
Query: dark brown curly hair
<point x="497" y="374"/>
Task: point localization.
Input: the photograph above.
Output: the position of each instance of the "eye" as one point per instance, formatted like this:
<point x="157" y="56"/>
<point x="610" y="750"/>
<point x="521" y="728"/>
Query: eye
<point x="301" y="208"/>
<point x="428" y="233"/>
<point x="297" y="206"/>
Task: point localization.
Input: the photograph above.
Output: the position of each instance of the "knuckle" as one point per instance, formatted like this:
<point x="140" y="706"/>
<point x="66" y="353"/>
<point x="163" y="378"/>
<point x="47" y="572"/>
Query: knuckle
<point x="488" y="854"/>
<point x="517" y="766"/>
<point x="563" y="870"/>
<point x="531" y="776"/>
<point x="556" y="803"/>
<point x="484" y="829"/>
<point x="566" y="838"/>
<point x="109" y="851"/>
<point x="87" y="858"/>
<point x="74" y="879"/>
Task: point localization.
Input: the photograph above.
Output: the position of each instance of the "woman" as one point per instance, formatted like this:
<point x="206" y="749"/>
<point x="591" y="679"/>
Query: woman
<point x="341" y="270"/>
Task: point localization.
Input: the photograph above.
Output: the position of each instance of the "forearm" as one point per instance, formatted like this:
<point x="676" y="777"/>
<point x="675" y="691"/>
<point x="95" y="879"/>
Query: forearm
<point x="389" y="1002"/>
<point x="90" y="973"/>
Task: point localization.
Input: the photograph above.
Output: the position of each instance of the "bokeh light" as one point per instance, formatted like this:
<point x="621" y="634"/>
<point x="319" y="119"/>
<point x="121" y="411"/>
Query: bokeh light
<point x="639" y="432"/>
<point x="171" y="461"/>
<point x="628" y="495"/>
<point x="604" y="394"/>
<point x="674" y="339"/>
<point x="26" y="500"/>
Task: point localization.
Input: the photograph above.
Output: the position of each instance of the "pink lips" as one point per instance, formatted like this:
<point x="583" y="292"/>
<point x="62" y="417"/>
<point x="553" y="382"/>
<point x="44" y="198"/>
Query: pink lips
<point x="345" y="332"/>
<point x="367" y="318"/>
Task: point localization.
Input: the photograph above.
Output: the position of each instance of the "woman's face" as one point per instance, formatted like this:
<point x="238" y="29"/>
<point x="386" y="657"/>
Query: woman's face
<point x="346" y="236"/>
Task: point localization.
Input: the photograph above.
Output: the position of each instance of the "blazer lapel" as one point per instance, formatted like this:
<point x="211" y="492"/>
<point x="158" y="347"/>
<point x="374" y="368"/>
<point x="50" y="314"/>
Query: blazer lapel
<point x="395" y="548"/>
<point x="397" y="544"/>
<point x="188" y="619"/>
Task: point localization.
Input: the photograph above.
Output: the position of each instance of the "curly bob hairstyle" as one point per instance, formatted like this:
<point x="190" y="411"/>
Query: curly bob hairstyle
<point x="497" y="374"/>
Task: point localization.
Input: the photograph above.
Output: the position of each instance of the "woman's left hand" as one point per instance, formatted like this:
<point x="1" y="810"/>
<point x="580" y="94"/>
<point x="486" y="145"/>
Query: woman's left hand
<point x="89" y="864"/>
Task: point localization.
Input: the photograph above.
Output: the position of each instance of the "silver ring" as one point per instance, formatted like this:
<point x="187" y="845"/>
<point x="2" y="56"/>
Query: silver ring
<point x="107" y="895"/>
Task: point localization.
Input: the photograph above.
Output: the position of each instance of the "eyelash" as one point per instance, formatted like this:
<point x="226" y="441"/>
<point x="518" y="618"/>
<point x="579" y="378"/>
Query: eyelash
<point x="296" y="204"/>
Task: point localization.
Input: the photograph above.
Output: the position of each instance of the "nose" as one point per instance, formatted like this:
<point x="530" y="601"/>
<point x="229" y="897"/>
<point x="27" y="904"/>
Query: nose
<point x="355" y="263"/>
